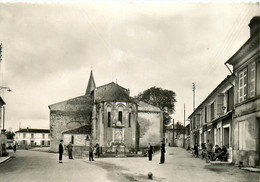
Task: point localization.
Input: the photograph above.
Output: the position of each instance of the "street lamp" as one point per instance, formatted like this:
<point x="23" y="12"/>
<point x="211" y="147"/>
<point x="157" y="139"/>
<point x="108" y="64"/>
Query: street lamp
<point x="7" y="88"/>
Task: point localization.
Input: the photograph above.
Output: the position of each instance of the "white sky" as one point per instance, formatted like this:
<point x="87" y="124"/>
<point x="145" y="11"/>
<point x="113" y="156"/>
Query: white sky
<point x="49" y="49"/>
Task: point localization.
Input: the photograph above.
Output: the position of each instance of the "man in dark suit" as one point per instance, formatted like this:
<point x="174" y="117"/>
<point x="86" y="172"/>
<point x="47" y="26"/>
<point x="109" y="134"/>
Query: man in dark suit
<point x="60" y="151"/>
<point x="150" y="151"/>
<point x="91" y="150"/>
<point x="162" y="152"/>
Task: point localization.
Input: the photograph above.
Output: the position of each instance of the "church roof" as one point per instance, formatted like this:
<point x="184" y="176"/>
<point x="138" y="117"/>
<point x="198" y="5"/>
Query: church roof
<point x="81" y="103"/>
<point x="86" y="129"/>
<point x="113" y="92"/>
<point x="91" y="84"/>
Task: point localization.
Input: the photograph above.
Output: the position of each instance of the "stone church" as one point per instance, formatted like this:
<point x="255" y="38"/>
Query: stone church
<point x="106" y="115"/>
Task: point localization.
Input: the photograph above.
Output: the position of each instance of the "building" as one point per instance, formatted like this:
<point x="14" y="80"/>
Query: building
<point x="211" y="121"/>
<point x="230" y="115"/>
<point x="246" y="119"/>
<point x="2" y="134"/>
<point x="32" y="137"/>
<point x="118" y="122"/>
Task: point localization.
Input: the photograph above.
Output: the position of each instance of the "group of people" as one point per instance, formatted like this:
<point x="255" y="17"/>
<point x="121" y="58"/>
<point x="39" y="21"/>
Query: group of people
<point x="70" y="147"/>
<point x="150" y="152"/>
<point x="97" y="152"/>
<point x="217" y="153"/>
<point x="211" y="152"/>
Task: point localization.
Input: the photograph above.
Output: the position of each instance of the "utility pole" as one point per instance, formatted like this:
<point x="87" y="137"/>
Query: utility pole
<point x="173" y="132"/>
<point x="193" y="89"/>
<point x="184" y="129"/>
<point x="3" y="117"/>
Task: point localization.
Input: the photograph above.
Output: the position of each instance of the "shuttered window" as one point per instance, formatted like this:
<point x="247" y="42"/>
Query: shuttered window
<point x="242" y="87"/>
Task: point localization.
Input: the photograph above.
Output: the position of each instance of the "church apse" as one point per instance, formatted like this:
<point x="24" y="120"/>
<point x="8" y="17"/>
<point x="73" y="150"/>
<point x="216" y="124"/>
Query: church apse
<point x="117" y="121"/>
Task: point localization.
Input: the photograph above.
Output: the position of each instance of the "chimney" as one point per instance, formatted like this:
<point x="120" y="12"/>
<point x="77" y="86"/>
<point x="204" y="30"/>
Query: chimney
<point x="254" y="25"/>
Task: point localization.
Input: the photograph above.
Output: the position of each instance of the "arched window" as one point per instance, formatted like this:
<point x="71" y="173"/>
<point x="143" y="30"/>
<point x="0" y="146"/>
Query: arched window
<point x="129" y="120"/>
<point x="72" y="139"/>
<point x="120" y="116"/>
<point x="108" y="119"/>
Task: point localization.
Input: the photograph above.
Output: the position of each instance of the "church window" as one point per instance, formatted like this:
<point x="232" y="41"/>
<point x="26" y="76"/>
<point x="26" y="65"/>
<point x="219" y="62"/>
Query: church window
<point x="120" y="116"/>
<point x="72" y="139"/>
<point x="108" y="119"/>
<point x="129" y="120"/>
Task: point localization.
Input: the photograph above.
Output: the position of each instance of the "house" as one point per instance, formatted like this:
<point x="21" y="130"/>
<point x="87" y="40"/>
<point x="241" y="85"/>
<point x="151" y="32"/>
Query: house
<point x="246" y="119"/>
<point x="211" y="121"/>
<point x="32" y="137"/>
<point x="2" y="134"/>
<point x="117" y="121"/>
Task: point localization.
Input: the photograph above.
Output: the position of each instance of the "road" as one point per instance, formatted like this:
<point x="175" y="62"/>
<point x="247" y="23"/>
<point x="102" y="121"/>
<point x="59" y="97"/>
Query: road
<point x="180" y="166"/>
<point x="34" y="166"/>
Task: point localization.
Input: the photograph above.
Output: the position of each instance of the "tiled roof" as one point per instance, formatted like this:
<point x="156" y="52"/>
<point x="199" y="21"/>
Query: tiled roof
<point x="86" y="129"/>
<point x="31" y="130"/>
<point x="113" y="92"/>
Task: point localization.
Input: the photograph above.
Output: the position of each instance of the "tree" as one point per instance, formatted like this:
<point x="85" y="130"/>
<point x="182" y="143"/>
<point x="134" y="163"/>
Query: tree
<point x="162" y="98"/>
<point x="180" y="129"/>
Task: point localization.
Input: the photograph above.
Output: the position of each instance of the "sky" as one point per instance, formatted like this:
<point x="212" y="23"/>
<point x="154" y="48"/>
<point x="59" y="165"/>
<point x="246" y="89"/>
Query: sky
<point x="49" y="50"/>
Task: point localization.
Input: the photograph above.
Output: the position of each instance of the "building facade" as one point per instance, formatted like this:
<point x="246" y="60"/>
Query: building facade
<point x="246" y="119"/>
<point x="230" y="115"/>
<point x="2" y="134"/>
<point x="32" y="137"/>
<point x="211" y="121"/>
<point x="118" y="122"/>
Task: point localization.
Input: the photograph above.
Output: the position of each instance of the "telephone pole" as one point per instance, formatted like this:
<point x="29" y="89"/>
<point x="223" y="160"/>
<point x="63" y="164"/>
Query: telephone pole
<point x="193" y="89"/>
<point x="184" y="129"/>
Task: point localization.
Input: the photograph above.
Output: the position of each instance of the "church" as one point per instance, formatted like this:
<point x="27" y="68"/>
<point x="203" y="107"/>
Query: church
<point x="108" y="116"/>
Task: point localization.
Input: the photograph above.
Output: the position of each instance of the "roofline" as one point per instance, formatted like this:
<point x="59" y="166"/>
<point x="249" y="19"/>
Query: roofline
<point x="67" y="100"/>
<point x="113" y="83"/>
<point x="76" y="129"/>
<point x="149" y="104"/>
<point x="246" y="46"/>
<point x="31" y="129"/>
<point x="219" y="85"/>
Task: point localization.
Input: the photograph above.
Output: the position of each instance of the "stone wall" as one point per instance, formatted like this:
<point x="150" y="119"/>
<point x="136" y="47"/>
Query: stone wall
<point x="150" y="125"/>
<point x="68" y="115"/>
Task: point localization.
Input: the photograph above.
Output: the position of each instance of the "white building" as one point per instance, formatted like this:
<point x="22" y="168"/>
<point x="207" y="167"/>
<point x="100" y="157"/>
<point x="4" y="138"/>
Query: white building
<point x="33" y="137"/>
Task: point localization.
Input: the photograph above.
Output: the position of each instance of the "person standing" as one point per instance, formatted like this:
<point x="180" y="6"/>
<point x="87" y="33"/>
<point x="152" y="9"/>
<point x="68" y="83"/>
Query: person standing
<point x="91" y="149"/>
<point x="14" y="148"/>
<point x="70" y="150"/>
<point x="162" y="152"/>
<point x="97" y="150"/>
<point x="150" y="151"/>
<point x="60" y="151"/>
<point x="196" y="150"/>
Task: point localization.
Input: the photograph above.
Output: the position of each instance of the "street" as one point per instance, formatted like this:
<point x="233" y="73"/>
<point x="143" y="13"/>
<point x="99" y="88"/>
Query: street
<point x="180" y="166"/>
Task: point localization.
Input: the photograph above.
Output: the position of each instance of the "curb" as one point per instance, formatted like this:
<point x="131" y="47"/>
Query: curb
<point x="4" y="160"/>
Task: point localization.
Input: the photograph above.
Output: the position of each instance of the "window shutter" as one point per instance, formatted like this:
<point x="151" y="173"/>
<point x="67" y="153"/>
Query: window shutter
<point x="220" y="104"/>
<point x="251" y="79"/>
